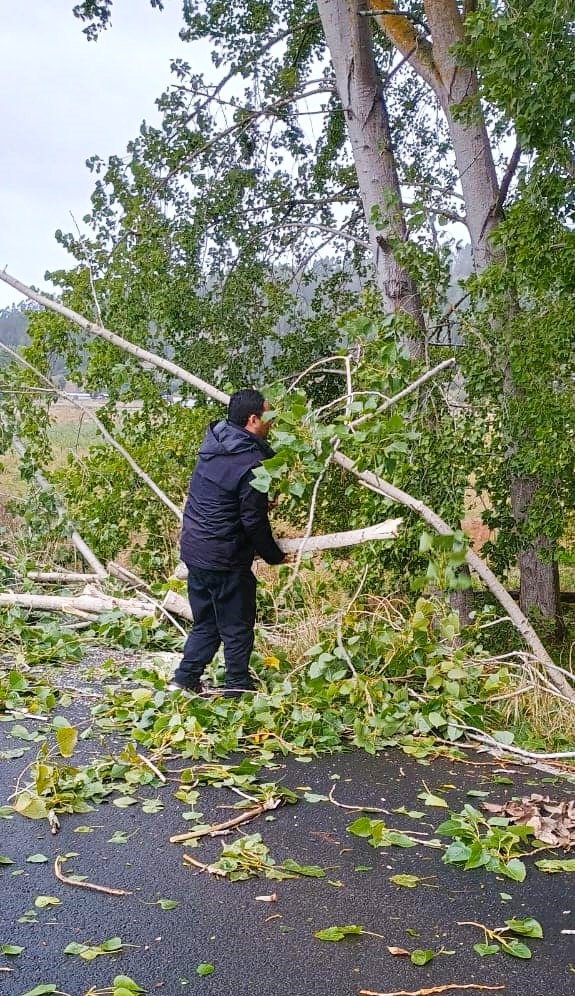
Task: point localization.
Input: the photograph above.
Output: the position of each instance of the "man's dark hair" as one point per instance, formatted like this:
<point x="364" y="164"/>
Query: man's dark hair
<point x="243" y="404"/>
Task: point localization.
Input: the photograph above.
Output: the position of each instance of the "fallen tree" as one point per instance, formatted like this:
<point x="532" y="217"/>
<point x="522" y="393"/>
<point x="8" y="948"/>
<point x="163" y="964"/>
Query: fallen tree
<point x="368" y="479"/>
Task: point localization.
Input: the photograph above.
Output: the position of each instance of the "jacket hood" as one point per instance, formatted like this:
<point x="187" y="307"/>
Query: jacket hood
<point x="224" y="438"/>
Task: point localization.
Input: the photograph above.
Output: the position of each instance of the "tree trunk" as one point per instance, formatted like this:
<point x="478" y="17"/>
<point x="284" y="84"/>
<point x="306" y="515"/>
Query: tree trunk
<point x="538" y="572"/>
<point x="348" y="37"/>
<point x="453" y="84"/>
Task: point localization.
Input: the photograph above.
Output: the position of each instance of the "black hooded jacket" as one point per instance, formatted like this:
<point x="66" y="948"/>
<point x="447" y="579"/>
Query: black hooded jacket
<point x="225" y="519"/>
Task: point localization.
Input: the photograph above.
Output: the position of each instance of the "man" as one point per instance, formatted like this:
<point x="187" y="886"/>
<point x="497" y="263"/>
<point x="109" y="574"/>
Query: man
<point x="225" y="524"/>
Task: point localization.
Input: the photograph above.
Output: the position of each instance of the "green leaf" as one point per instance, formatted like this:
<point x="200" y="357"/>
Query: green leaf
<point x="553" y="865"/>
<point x="36" y="859"/>
<point x="119" y="837"/>
<point x="526" y="926"/>
<point x="5" y="861"/>
<point x="407" y="881"/>
<point x="11" y="949"/>
<point x="425" y="542"/>
<point x="313" y="797"/>
<point x="504" y="737"/>
<point x="309" y="871"/>
<point x="338" y="933"/>
<point x="486" y="949"/>
<point x="66" y="738"/>
<point x="41" y="990"/>
<point x="361" y="827"/>
<point x="429" y="799"/>
<point x="205" y="968"/>
<point x="168" y="904"/>
<point x="113" y="944"/>
<point x="123" y="801"/>
<point x="516" y="948"/>
<point x="514" y="869"/>
<point x="74" y="948"/>
<point x="43" y="901"/>
<point x="31" y="806"/>
<point x="421" y="956"/>
<point x="152" y="806"/>
<point x="125" y="982"/>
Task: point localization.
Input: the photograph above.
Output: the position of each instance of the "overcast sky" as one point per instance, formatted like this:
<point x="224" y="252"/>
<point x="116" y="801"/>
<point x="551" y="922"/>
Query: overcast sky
<point x="63" y="99"/>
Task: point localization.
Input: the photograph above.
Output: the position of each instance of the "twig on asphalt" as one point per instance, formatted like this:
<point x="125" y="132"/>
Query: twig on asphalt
<point x="428" y="992"/>
<point x="199" y="864"/>
<point x="356" y="809"/>
<point x="218" y="828"/>
<point x="85" y="885"/>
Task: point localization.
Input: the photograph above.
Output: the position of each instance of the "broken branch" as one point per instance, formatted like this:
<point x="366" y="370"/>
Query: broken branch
<point x="85" y="885"/>
<point x="88" y="603"/>
<point x="429" y="992"/>
<point x="218" y="828"/>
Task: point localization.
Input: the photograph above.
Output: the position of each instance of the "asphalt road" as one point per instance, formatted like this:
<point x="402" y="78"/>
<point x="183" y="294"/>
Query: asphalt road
<point x="268" y="949"/>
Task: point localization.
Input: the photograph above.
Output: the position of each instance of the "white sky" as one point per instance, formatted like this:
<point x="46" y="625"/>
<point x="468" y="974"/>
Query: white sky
<point x="62" y="100"/>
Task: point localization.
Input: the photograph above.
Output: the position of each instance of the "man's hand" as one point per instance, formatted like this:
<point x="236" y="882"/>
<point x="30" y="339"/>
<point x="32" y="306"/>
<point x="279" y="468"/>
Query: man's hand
<point x="289" y="558"/>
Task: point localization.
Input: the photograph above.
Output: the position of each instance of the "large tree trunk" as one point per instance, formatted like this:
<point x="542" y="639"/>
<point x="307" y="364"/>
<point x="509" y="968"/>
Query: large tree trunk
<point x="539" y="588"/>
<point x="348" y="37"/>
<point x="453" y="84"/>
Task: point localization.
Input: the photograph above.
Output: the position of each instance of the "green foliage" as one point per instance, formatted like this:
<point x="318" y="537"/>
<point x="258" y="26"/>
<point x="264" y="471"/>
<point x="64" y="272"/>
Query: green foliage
<point x="499" y="939"/>
<point x="479" y="842"/>
<point x="249" y="857"/>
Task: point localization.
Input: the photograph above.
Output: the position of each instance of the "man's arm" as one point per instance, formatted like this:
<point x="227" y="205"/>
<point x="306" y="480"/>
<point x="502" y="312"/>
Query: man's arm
<point x="254" y="519"/>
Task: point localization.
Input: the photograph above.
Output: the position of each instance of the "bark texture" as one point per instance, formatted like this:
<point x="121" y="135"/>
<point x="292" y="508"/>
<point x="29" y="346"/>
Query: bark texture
<point x="456" y="88"/>
<point x="348" y="37"/>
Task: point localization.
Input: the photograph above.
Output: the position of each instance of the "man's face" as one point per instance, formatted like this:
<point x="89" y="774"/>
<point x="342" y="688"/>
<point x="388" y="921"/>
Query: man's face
<point x="258" y="425"/>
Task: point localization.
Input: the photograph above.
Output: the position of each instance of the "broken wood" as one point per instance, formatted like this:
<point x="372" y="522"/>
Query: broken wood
<point x="177" y="605"/>
<point x="202" y="867"/>
<point x="386" y="530"/>
<point x="516" y="616"/>
<point x="143" y="355"/>
<point x="335" y="541"/>
<point x="87" y="603"/>
<point x="61" y="577"/>
<point x="150" y="764"/>
<point x="85" y="885"/>
<point x="235" y="821"/>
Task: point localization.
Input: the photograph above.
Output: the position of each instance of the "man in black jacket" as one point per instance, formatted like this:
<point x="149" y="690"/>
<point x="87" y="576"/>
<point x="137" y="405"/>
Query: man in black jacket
<point x="225" y="524"/>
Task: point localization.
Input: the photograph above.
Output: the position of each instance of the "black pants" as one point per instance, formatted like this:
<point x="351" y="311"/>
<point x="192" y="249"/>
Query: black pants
<point x="224" y="610"/>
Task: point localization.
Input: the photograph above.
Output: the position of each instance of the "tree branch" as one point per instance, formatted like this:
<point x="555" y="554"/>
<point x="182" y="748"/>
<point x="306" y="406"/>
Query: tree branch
<point x="387" y="490"/>
<point x="304" y="226"/>
<point x="143" y="355"/>
<point x="507" y="178"/>
<point x="147" y="480"/>
<point x="403" y="394"/>
<point x="371" y="480"/>
<point x="411" y="42"/>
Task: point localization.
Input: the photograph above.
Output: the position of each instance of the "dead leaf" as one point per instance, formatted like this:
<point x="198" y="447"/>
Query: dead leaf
<point x="396" y="951"/>
<point x="267" y="899"/>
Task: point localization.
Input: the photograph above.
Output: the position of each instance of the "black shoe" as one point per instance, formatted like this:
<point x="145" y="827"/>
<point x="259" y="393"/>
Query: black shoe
<point x="188" y="690"/>
<point x="236" y="693"/>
